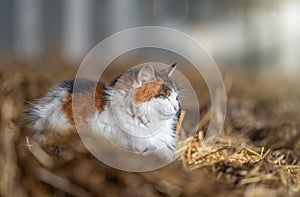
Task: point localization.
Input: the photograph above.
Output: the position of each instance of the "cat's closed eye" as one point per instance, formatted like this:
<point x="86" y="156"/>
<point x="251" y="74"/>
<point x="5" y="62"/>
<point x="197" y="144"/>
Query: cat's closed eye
<point x="160" y="95"/>
<point x="163" y="93"/>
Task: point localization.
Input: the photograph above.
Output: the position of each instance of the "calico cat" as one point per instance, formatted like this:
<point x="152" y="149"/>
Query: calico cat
<point x="138" y="111"/>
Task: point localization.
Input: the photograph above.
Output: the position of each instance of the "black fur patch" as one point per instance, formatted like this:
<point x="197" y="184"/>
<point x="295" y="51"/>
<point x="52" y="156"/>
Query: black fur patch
<point x="82" y="85"/>
<point x="68" y="85"/>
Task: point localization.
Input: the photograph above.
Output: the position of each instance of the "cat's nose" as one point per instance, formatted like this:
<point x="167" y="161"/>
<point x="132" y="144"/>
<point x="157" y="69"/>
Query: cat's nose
<point x="175" y="108"/>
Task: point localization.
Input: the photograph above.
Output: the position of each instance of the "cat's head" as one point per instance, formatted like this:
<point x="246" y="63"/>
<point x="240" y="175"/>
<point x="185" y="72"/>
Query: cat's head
<point x="152" y="91"/>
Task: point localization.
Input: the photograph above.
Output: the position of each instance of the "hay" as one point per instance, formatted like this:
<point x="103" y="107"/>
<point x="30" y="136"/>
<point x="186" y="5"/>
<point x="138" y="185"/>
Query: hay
<point x="257" y="153"/>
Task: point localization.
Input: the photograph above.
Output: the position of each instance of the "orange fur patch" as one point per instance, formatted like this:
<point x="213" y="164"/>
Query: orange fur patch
<point x="100" y="97"/>
<point x="67" y="108"/>
<point x="86" y="104"/>
<point x="146" y="92"/>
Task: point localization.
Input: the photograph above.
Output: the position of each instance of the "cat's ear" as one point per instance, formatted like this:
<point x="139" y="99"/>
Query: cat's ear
<point x="170" y="70"/>
<point x="146" y="74"/>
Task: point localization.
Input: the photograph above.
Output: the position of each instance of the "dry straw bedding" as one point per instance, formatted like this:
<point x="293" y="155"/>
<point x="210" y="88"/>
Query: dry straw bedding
<point x="257" y="153"/>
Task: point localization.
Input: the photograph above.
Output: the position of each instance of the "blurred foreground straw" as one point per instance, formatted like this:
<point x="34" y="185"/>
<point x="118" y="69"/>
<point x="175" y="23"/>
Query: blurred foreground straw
<point x="9" y="172"/>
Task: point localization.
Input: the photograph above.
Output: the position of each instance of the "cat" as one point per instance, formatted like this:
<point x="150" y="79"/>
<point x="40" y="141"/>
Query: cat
<point x="138" y="111"/>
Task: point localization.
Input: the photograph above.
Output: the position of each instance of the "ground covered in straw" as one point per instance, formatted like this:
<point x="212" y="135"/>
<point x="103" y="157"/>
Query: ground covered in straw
<point x="257" y="154"/>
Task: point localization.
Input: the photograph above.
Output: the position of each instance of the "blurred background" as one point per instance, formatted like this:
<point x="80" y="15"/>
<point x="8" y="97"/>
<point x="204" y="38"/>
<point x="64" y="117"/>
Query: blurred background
<point x="260" y="34"/>
<point x="256" y="45"/>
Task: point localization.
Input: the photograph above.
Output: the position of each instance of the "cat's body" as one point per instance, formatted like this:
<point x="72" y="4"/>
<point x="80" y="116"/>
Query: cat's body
<point x="138" y="111"/>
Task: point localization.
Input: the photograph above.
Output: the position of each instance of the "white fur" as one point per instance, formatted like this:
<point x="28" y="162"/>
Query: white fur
<point x="141" y="127"/>
<point x="47" y="112"/>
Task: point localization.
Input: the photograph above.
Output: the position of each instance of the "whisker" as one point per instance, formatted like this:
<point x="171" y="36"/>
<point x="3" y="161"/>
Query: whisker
<point x="180" y="84"/>
<point x="186" y="91"/>
<point x="180" y="90"/>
